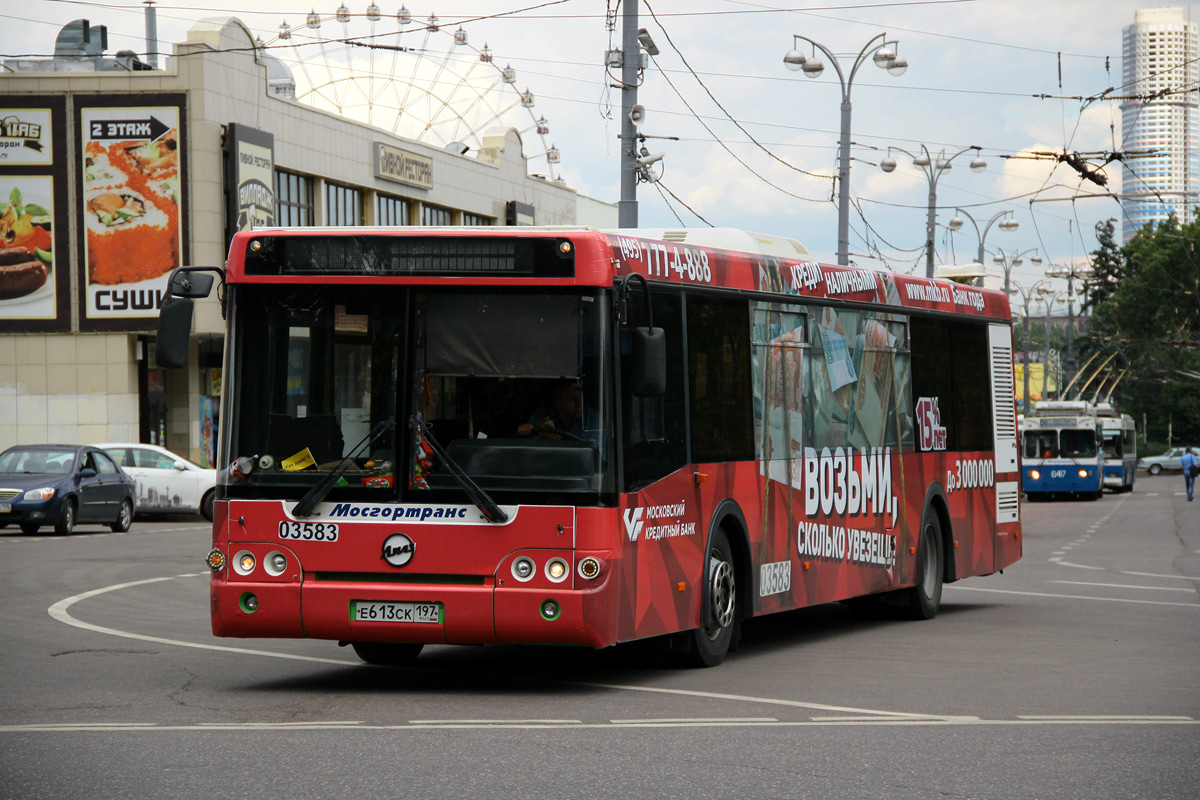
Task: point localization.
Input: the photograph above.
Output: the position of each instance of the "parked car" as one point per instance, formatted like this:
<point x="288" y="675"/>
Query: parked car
<point x="166" y="483"/>
<point x="64" y="485"/>
<point x="1168" y="461"/>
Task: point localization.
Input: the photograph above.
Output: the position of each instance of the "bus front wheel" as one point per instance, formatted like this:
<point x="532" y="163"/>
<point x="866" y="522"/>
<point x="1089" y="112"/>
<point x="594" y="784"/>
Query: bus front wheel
<point x="386" y="654"/>
<point x="720" y="615"/>
<point x="925" y="598"/>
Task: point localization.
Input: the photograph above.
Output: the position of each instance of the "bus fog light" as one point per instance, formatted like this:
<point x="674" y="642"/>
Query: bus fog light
<point x="248" y="602"/>
<point x="557" y="570"/>
<point x="243" y="563"/>
<point x="523" y="568"/>
<point x="550" y="610"/>
<point x="589" y="568"/>
<point x="215" y="560"/>
<point x="275" y="563"/>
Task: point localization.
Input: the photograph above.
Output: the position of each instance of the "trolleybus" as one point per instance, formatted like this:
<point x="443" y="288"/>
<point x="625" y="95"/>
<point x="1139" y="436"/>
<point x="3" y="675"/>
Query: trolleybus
<point x="1063" y="451"/>
<point x="568" y="436"/>
<point x="1120" y="448"/>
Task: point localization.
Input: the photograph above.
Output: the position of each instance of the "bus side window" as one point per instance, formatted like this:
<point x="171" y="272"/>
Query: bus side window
<point x="653" y="435"/>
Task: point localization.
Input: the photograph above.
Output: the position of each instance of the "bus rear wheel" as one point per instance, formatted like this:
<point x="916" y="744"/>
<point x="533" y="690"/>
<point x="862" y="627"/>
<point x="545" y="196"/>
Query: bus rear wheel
<point x="925" y="598"/>
<point x="387" y="654"/>
<point x="720" y="614"/>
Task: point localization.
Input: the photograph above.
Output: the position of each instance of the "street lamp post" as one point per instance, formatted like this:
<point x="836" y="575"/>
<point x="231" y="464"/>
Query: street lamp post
<point x="885" y="57"/>
<point x="1025" y="298"/>
<point x="1049" y="297"/>
<point x="933" y="169"/>
<point x="1007" y="223"/>
<point x="1082" y="271"/>
<point x="1010" y="260"/>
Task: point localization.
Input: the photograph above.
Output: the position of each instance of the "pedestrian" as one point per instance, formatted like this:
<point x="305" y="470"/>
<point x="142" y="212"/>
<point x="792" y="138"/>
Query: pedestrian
<point x="1191" y="468"/>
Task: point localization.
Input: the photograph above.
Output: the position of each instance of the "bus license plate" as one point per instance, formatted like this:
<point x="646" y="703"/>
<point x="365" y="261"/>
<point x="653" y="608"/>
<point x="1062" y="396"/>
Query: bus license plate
<point x="366" y="611"/>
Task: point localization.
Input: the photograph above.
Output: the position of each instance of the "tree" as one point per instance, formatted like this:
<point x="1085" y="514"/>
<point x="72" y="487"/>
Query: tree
<point x="1151" y="317"/>
<point x="1107" y="267"/>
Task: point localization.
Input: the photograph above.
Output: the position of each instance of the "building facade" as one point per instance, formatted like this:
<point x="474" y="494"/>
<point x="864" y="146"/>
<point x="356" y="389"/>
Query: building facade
<point x="115" y="172"/>
<point x="1161" y="129"/>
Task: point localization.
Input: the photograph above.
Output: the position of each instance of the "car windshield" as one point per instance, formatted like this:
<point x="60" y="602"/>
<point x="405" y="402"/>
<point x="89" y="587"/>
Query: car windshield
<point x="39" y="460"/>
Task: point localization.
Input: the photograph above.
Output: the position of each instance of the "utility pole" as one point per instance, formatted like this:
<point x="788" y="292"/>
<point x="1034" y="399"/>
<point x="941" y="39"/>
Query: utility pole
<point x="631" y="56"/>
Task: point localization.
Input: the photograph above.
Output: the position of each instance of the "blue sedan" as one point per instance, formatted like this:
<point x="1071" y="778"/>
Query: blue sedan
<point x="62" y="485"/>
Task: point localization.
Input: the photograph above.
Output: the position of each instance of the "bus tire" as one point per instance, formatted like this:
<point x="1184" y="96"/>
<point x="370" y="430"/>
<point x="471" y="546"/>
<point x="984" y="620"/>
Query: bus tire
<point x="720" y="614"/>
<point x="387" y="654"/>
<point x="925" y="598"/>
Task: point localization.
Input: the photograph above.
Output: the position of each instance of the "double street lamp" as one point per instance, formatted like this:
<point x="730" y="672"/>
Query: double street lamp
<point x="1082" y="271"/>
<point x="933" y="167"/>
<point x="1039" y="289"/>
<point x="1007" y="223"/>
<point x="1007" y="261"/>
<point x="883" y="54"/>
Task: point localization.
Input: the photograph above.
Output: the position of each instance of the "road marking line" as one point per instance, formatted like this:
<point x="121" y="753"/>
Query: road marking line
<point x="732" y="723"/>
<point x="1074" y="596"/>
<point x="1127" y="586"/>
<point x="679" y="720"/>
<point x="60" y="611"/>
<point x="1077" y="566"/>
<point x="1102" y="717"/>
<point x="495" y="722"/>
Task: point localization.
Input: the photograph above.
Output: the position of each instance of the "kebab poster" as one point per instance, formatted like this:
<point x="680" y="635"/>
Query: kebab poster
<point x="31" y="182"/>
<point x="132" y="209"/>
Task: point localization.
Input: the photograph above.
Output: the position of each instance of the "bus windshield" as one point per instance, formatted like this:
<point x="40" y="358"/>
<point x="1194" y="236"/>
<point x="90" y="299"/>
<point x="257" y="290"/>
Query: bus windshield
<point x="509" y="386"/>
<point x="1041" y="444"/>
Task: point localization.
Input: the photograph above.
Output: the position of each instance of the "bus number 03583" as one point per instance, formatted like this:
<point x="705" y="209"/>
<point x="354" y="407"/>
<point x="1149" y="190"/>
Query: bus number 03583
<point x="309" y="531"/>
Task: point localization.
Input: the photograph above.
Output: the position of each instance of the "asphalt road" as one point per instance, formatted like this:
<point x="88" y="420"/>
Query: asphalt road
<point x="1076" y="674"/>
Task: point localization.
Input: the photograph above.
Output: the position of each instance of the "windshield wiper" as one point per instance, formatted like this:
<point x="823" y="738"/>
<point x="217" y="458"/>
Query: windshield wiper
<point x="487" y="507"/>
<point x="317" y="493"/>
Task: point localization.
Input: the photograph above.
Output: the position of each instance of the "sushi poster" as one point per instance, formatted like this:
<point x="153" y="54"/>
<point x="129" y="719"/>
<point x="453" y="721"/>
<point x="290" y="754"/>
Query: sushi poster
<point x="33" y="208"/>
<point x="131" y="209"/>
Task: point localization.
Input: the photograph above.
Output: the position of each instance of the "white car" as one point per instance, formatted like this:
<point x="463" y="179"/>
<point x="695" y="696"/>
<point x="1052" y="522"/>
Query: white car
<point x="1168" y="461"/>
<point x="166" y="483"/>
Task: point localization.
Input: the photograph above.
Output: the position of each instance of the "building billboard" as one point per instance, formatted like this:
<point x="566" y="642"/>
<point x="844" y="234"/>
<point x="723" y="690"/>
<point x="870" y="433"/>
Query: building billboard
<point x="249" y="179"/>
<point x="34" y="251"/>
<point x="131" y="207"/>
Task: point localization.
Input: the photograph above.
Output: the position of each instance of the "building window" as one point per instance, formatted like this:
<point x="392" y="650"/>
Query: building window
<point x="343" y="205"/>
<point x="391" y="210"/>
<point x="293" y="199"/>
<point x="434" y="215"/>
<point x="476" y="219"/>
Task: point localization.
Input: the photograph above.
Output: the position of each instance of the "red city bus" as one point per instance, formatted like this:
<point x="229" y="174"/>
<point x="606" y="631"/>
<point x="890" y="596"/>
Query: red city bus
<point x="568" y="436"/>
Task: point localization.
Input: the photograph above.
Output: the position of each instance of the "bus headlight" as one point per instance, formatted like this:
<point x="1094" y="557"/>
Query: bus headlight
<point x="523" y="568"/>
<point x="243" y="563"/>
<point x="1083" y="473"/>
<point x="557" y="570"/>
<point x="1033" y="473"/>
<point x="275" y="563"/>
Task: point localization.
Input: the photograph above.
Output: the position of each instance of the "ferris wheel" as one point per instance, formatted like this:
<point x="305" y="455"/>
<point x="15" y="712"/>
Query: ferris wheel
<point x="421" y="81"/>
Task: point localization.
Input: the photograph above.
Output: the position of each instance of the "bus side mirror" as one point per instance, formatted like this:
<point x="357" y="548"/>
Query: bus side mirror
<point x="649" y="352"/>
<point x="174" y="330"/>
<point x="649" y="362"/>
<point x="175" y="316"/>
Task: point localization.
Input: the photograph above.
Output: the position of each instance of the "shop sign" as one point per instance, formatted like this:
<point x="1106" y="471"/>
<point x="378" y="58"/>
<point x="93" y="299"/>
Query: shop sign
<point x="402" y="166"/>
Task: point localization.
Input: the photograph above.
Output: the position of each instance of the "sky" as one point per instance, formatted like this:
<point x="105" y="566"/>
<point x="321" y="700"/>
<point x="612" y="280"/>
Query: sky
<point x="757" y="143"/>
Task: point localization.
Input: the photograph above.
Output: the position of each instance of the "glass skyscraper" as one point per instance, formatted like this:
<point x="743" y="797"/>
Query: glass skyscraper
<point x="1161" y="52"/>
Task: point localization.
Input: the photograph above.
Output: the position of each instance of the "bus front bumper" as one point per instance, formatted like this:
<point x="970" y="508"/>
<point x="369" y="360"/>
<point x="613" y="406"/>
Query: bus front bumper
<point x="483" y="614"/>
